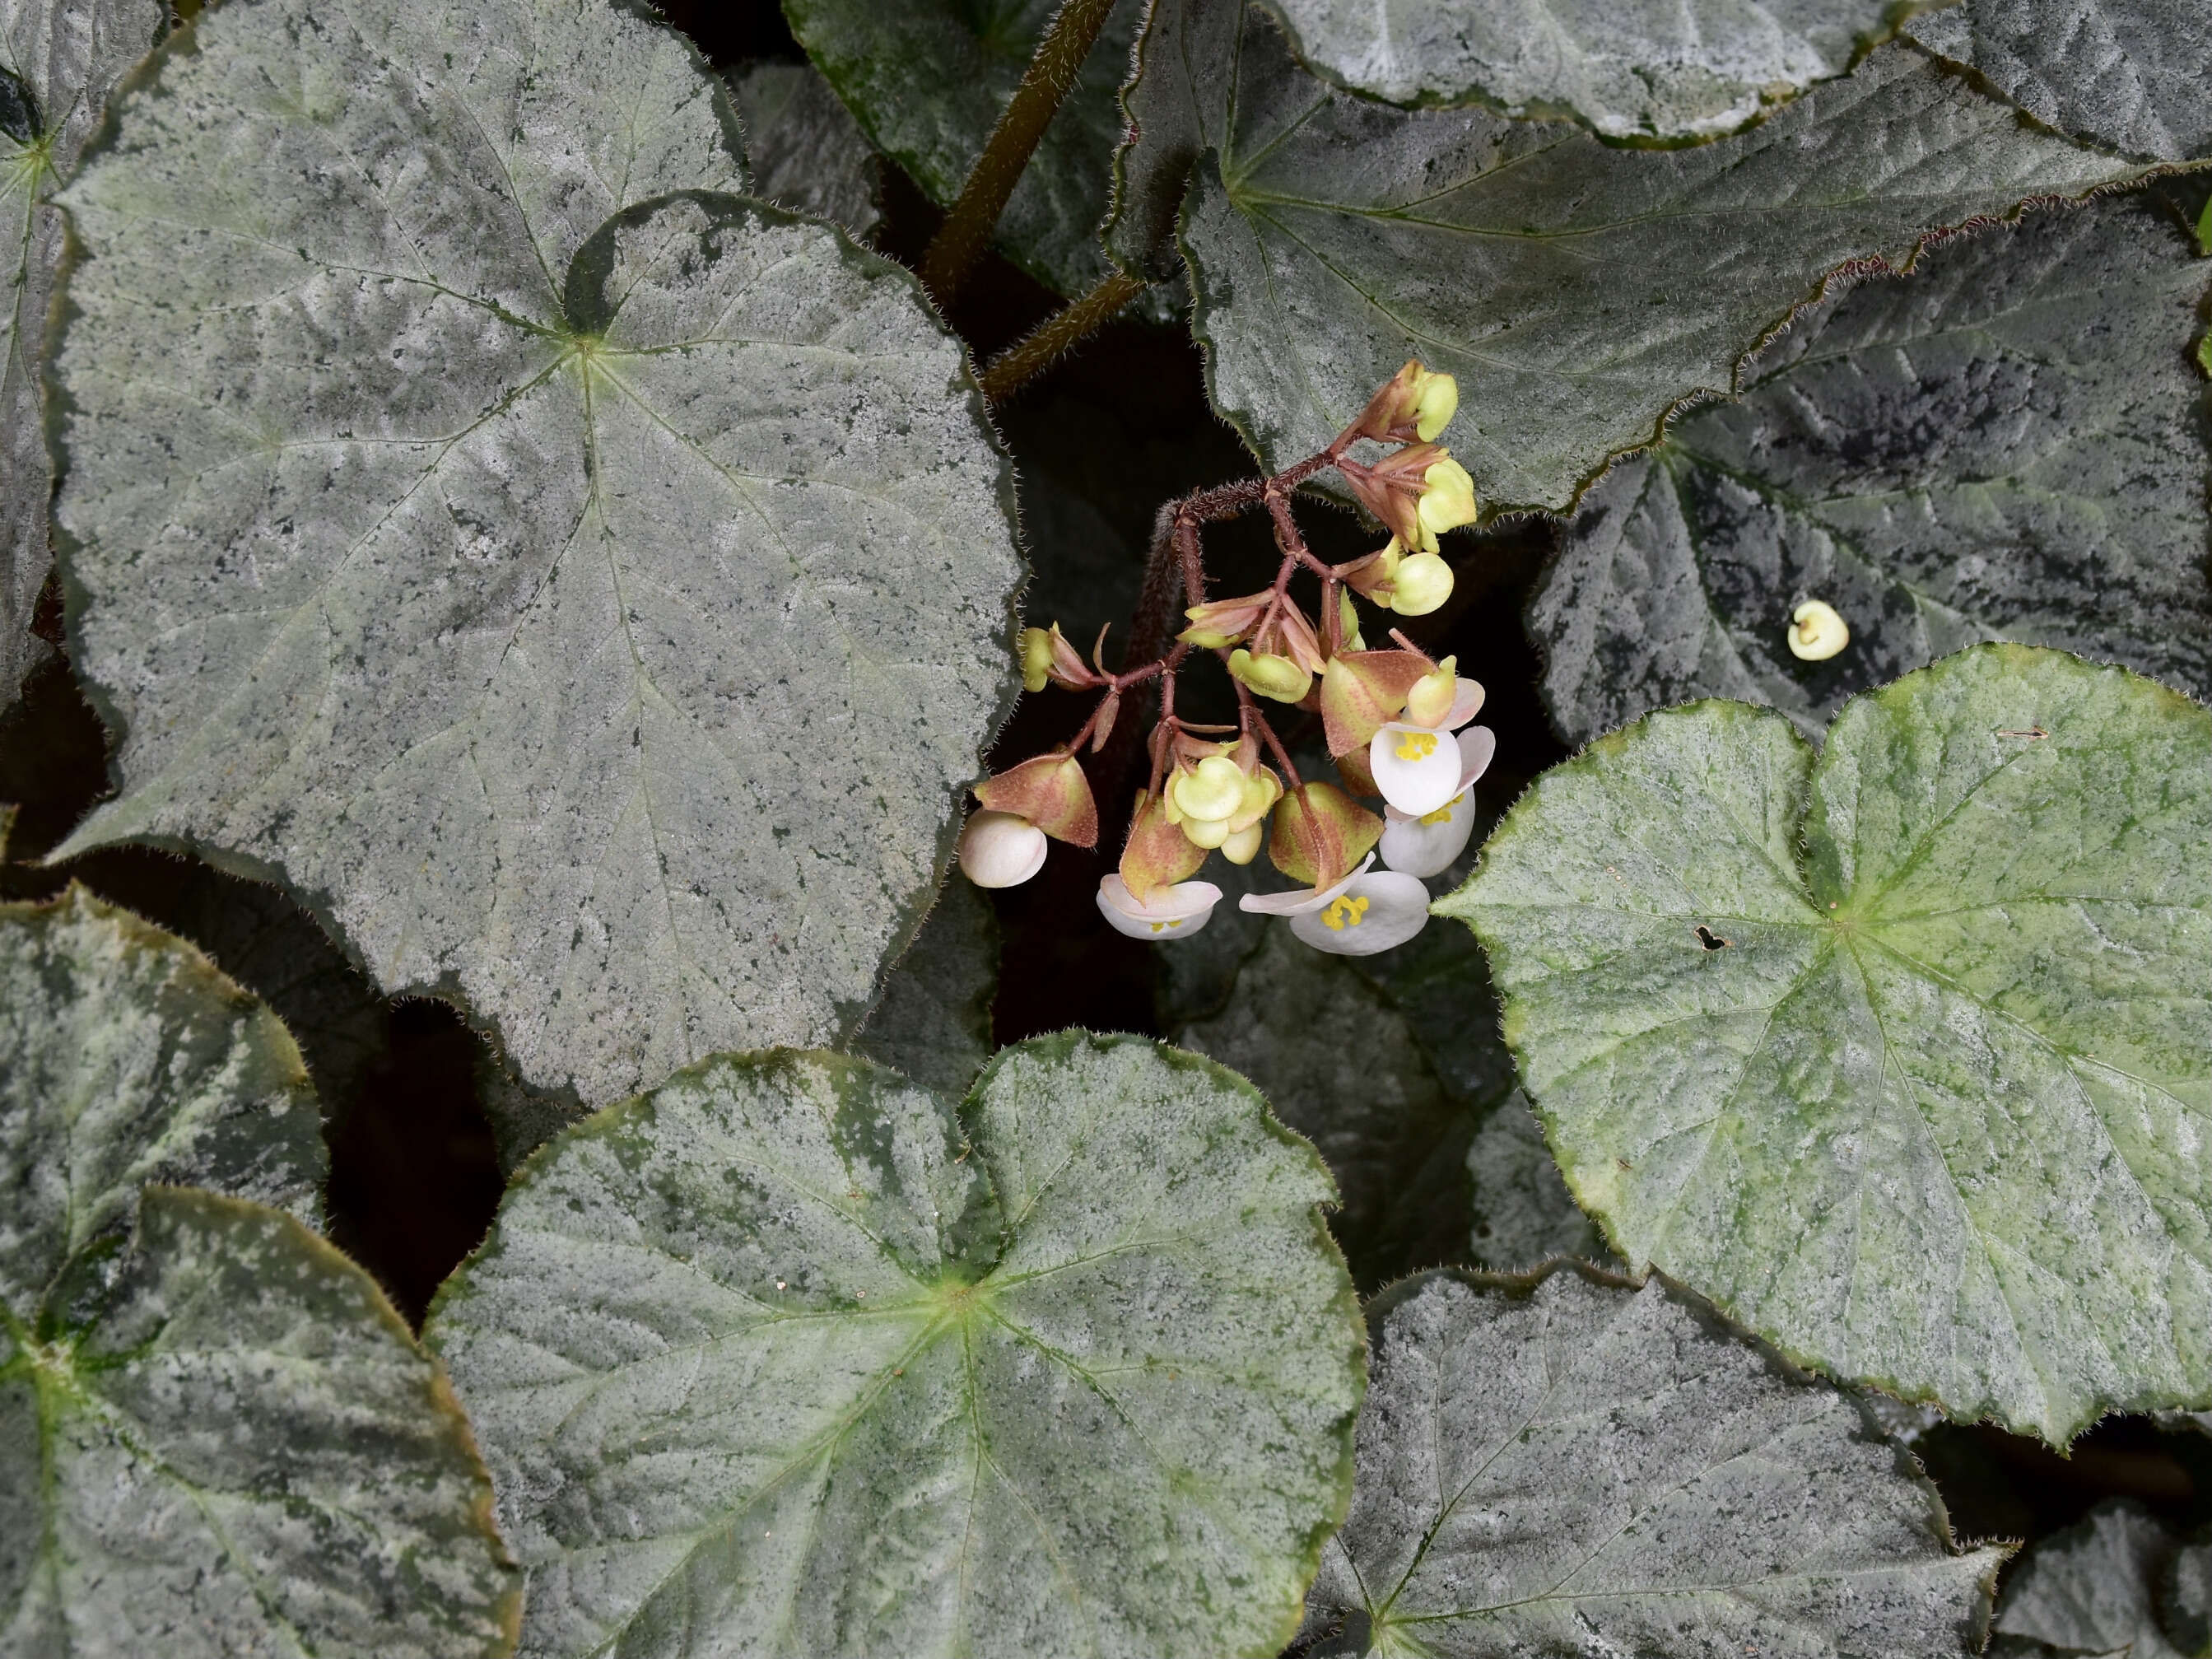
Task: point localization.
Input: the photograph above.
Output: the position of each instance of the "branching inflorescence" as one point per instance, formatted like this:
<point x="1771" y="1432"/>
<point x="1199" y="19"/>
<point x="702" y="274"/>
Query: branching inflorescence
<point x="1397" y="720"/>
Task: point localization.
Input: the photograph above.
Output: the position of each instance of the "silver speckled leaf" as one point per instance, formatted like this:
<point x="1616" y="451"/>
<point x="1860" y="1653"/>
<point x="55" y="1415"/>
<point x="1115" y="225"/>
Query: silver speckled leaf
<point x="787" y="1358"/>
<point x="58" y="60"/>
<point x="2009" y="443"/>
<point x="1632" y="68"/>
<point x="238" y="1452"/>
<point x="2091" y="1588"/>
<point x="1578" y="291"/>
<point x="1524" y="1213"/>
<point x="934" y="1020"/>
<point x="1902" y="1053"/>
<point x="806" y="152"/>
<point x="126" y="1058"/>
<point x="2128" y="73"/>
<point x="1567" y="1464"/>
<point x="593" y="619"/>
<point x="927" y="80"/>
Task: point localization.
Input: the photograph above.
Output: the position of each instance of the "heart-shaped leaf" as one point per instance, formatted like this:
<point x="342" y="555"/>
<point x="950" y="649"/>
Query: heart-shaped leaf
<point x="1631" y="71"/>
<point x="1902" y="1053"/>
<point x="928" y="78"/>
<point x="2127" y="73"/>
<point x="217" y="1435"/>
<point x="593" y="618"/>
<point x="2009" y="443"/>
<point x="786" y="1357"/>
<point x="1578" y="291"/>
<point x="58" y="60"/>
<point x="1566" y="1463"/>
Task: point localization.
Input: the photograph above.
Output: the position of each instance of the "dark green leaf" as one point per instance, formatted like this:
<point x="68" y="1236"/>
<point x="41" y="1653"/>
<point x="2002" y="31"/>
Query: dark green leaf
<point x="806" y="152"/>
<point x="2009" y="443"/>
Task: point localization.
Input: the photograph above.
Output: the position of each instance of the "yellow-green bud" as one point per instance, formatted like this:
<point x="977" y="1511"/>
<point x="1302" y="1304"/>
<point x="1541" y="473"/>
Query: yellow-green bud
<point x="1436" y="400"/>
<point x="1243" y="845"/>
<point x="1214" y="789"/>
<point x="1036" y="658"/>
<point x="1447" y="500"/>
<point x="1348" y="614"/>
<point x="1817" y="632"/>
<point x="1271" y="675"/>
<point x="1424" y="581"/>
<point x="1433" y="694"/>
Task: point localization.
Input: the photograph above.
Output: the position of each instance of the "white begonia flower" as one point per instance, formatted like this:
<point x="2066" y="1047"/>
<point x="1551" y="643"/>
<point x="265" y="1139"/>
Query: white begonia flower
<point x="1416" y="768"/>
<point x="1426" y="844"/>
<point x="1173" y="912"/>
<point x="1000" y="850"/>
<point x="1379" y="909"/>
<point x="1299" y="900"/>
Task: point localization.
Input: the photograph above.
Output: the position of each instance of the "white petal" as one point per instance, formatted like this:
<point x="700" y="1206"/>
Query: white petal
<point x="1477" y="745"/>
<point x="1416" y="770"/>
<point x="1385" y="909"/>
<point x="1000" y="850"/>
<point x="1465" y="706"/>
<point x="1172" y="913"/>
<point x="1426" y="846"/>
<point x="1299" y="900"/>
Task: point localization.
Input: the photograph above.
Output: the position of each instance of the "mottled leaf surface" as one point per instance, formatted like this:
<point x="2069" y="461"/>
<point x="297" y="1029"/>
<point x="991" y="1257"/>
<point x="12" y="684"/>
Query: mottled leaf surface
<point x="806" y="152"/>
<point x="787" y="1358"/>
<point x="58" y="60"/>
<point x="934" y="1021"/>
<point x="236" y="1449"/>
<point x="1578" y="291"/>
<point x="2127" y="73"/>
<point x="2008" y="443"/>
<point x="1567" y="1464"/>
<point x="1903" y="1055"/>
<point x="927" y="80"/>
<point x="1631" y="68"/>
<point x="1524" y="1213"/>
<point x="2092" y="1588"/>
<point x="592" y="617"/>
<point x="1390" y="1065"/>
<point x="126" y="1058"/>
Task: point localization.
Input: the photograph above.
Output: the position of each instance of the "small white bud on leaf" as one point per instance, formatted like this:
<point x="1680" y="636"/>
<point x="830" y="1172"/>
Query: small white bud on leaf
<point x="1817" y="632"/>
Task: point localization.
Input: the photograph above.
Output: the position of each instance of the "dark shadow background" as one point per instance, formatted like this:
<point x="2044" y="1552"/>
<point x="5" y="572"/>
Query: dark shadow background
<point x="1100" y="441"/>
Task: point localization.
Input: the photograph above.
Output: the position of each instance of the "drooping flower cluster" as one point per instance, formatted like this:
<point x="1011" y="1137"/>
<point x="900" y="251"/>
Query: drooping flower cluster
<point x="1396" y="722"/>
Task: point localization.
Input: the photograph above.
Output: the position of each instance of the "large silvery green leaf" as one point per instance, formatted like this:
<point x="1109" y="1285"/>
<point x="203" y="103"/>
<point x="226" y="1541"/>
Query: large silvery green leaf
<point x="58" y="60"/>
<point x="1631" y="68"/>
<point x="126" y="1058"/>
<point x="591" y="617"/>
<point x="236" y="1448"/>
<point x="927" y="79"/>
<point x="2126" y="73"/>
<point x="1578" y="291"/>
<point x="1902" y="1053"/>
<point x="2009" y="443"/>
<point x="1567" y="1464"/>
<point x="787" y="1358"/>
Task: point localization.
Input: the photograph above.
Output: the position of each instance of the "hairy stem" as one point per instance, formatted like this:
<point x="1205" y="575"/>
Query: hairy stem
<point x="1059" y="334"/>
<point x="1048" y="79"/>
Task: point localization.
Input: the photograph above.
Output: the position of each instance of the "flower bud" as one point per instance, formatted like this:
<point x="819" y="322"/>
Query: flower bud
<point x="1051" y="792"/>
<point x="1158" y="853"/>
<point x="1817" y="632"/>
<point x="1000" y="850"/>
<point x="1271" y="675"/>
<point x="1392" y="488"/>
<point x="1436" y="400"/>
<point x="1348" y="620"/>
<point x="1243" y="845"/>
<point x="1320" y="833"/>
<point x="1447" y="501"/>
<point x="1361" y="690"/>
<point x="1047" y="656"/>
<point x="1432" y="695"/>
<point x="1220" y="622"/>
<point x="1423" y="582"/>
<point x="1412" y="403"/>
<point x="1214" y="789"/>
